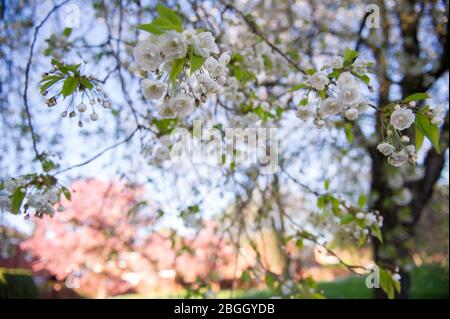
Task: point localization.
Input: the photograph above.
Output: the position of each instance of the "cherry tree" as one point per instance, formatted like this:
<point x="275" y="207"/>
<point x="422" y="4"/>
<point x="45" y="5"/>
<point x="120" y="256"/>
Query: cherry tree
<point x="357" y="94"/>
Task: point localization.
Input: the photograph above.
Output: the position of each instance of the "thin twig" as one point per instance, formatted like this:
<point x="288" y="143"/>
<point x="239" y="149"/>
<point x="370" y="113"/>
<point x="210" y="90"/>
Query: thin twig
<point x="27" y="76"/>
<point x="128" y="138"/>
<point x="254" y="28"/>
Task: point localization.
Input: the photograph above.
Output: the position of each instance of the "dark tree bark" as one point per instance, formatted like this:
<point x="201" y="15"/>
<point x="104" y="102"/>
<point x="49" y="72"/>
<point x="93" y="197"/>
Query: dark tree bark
<point x="396" y="231"/>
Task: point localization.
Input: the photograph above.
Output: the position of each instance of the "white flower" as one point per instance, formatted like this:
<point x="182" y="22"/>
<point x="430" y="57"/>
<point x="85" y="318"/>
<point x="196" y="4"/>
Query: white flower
<point x="360" y="215"/>
<point x="361" y="106"/>
<point x="10" y="185"/>
<point x="161" y="153"/>
<point x="224" y="58"/>
<point x="94" y="117"/>
<point x="370" y="219"/>
<point x="349" y="94"/>
<point x="438" y="111"/>
<point x="152" y="90"/>
<point x="81" y="107"/>
<point x="396" y="277"/>
<point x="398" y="159"/>
<point x="174" y="46"/>
<point x="207" y="83"/>
<point x="147" y="55"/>
<point x="319" y="80"/>
<point x="165" y="111"/>
<point x="189" y="36"/>
<point x="5" y="202"/>
<point x="411" y="149"/>
<point x="385" y="148"/>
<point x="330" y="106"/>
<point x="438" y="121"/>
<point x="305" y="112"/>
<point x="220" y="70"/>
<point x="402" y="118"/>
<point x="52" y="196"/>
<point x="210" y="64"/>
<point x="345" y="79"/>
<point x="337" y="62"/>
<point x="204" y="44"/>
<point x="265" y="106"/>
<point x="351" y="114"/>
<point x="360" y="66"/>
<point x="182" y="105"/>
<point x="403" y="198"/>
<point x="222" y="80"/>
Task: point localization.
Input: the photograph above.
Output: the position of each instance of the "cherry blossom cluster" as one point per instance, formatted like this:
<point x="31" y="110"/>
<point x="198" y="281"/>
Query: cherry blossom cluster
<point x="67" y="80"/>
<point x="400" y="118"/>
<point x="180" y="69"/>
<point x="32" y="194"/>
<point x="337" y="85"/>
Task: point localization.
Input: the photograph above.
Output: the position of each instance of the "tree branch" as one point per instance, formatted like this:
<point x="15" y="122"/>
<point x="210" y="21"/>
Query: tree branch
<point x="27" y="77"/>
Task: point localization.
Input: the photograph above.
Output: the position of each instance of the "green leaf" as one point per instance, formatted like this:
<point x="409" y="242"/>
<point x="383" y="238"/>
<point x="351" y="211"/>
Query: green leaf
<point x="86" y="83"/>
<point x="177" y="66"/>
<point x="322" y="94"/>
<point x="417" y="97"/>
<point x="50" y="78"/>
<point x="299" y="244"/>
<point x="16" y="200"/>
<point x="429" y="130"/>
<point x="304" y="101"/>
<point x="397" y="286"/>
<point x="311" y="71"/>
<point x="69" y="86"/>
<point x="363" y="78"/>
<point x="246" y="277"/>
<point x="151" y="28"/>
<point x="350" y="55"/>
<point x="270" y="279"/>
<point x="48" y="51"/>
<point x="165" y="126"/>
<point x="73" y="67"/>
<point x="349" y="133"/>
<point x="66" y="193"/>
<point x="267" y="62"/>
<point x="170" y="15"/>
<point x="347" y="219"/>
<point x="362" y="200"/>
<point x="48" y="165"/>
<point x="67" y="32"/>
<point x="419" y="138"/>
<point x="48" y="84"/>
<point x="321" y="201"/>
<point x="362" y="240"/>
<point x="386" y="283"/>
<point x="376" y="232"/>
<point x="56" y="62"/>
<point x="196" y="62"/>
<point x="160" y="25"/>
<point x="297" y="87"/>
<point x="334" y="74"/>
<point x="2" y="186"/>
<point x="327" y="184"/>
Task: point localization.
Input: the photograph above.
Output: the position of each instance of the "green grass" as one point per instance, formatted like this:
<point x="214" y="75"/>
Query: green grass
<point x="428" y="281"/>
<point x="17" y="283"/>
